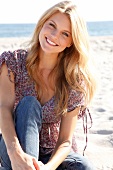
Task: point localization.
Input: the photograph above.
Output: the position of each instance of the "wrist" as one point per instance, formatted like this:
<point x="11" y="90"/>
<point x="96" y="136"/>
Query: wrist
<point x="49" y="166"/>
<point x="14" y="149"/>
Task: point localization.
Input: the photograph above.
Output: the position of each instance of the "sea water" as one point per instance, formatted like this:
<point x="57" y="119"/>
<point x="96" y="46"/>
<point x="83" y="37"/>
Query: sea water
<point x="100" y="28"/>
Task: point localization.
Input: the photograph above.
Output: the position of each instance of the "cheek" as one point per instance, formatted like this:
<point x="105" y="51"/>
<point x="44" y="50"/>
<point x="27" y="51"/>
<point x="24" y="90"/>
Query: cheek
<point x="44" y="30"/>
<point x="64" y="42"/>
<point x="41" y="34"/>
<point x="41" y="31"/>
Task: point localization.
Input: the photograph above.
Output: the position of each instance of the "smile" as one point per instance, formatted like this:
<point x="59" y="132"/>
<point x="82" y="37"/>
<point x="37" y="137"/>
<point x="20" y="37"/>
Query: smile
<point x="50" y="42"/>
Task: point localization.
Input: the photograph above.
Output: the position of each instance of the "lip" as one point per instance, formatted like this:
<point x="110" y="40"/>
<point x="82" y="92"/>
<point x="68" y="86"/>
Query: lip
<point x="50" y="42"/>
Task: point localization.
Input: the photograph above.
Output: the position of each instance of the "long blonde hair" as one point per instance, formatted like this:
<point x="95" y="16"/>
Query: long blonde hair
<point x="73" y="63"/>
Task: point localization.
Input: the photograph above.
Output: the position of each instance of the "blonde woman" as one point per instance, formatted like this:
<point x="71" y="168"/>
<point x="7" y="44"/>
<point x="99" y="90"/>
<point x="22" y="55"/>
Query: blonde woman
<point x="43" y="91"/>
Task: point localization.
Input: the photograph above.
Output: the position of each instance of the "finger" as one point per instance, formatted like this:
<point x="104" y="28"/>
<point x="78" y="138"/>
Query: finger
<point x="35" y="164"/>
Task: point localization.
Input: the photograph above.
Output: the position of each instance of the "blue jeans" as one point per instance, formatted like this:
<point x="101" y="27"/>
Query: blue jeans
<point x="28" y="120"/>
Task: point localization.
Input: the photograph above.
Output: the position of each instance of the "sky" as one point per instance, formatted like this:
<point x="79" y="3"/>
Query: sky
<point x="29" y="11"/>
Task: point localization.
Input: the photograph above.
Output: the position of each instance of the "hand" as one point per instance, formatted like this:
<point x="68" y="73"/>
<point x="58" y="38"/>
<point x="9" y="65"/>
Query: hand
<point x="38" y="165"/>
<point x="44" y="166"/>
<point x="23" y="161"/>
<point x="41" y="166"/>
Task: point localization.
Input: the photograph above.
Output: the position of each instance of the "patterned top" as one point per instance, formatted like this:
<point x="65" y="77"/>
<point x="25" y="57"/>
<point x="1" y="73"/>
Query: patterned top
<point x="16" y="63"/>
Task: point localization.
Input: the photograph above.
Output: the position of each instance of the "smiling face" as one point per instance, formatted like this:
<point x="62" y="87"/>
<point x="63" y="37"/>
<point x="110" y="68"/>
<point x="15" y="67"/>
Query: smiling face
<point x="55" y="34"/>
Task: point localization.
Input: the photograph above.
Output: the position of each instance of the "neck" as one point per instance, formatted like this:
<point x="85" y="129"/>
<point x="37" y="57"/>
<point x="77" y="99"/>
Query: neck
<point x="47" y="61"/>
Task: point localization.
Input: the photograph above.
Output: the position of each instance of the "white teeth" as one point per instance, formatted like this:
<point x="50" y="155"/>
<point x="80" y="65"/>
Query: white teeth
<point x="50" y="42"/>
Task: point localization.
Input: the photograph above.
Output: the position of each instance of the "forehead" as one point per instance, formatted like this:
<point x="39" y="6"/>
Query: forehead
<point x="61" y="19"/>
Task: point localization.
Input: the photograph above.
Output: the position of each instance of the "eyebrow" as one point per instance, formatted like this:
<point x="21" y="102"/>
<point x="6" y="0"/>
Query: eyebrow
<point x="63" y="30"/>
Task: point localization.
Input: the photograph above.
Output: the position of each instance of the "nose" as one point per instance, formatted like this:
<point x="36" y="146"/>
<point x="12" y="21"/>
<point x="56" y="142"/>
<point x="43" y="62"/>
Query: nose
<point x="55" y="34"/>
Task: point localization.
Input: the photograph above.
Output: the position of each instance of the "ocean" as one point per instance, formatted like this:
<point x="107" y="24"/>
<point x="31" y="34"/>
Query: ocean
<point x="100" y="28"/>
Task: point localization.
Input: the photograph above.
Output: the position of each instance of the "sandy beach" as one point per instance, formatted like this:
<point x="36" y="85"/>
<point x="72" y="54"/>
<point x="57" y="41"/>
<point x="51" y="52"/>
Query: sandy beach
<point x="100" y="136"/>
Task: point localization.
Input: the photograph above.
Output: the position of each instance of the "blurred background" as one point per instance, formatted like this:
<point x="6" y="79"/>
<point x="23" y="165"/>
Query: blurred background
<point x="18" y="18"/>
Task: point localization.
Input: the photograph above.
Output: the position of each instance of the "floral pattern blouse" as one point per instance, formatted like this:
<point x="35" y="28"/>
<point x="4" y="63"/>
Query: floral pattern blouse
<point x="16" y="63"/>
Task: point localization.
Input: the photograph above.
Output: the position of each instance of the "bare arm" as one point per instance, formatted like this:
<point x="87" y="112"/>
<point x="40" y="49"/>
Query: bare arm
<point x="19" y="160"/>
<point x="64" y="142"/>
<point x="7" y="97"/>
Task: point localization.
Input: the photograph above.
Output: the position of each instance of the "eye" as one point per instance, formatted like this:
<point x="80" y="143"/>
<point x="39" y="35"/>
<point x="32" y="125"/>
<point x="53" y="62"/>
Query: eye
<point x="52" y="25"/>
<point x="66" y="34"/>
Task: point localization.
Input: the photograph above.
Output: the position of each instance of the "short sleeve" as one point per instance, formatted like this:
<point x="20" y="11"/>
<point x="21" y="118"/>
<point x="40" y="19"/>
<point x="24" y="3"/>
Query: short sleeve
<point x="13" y="60"/>
<point x="76" y="99"/>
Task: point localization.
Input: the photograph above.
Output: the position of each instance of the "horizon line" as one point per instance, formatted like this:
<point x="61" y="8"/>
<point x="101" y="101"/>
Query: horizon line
<point x="36" y="22"/>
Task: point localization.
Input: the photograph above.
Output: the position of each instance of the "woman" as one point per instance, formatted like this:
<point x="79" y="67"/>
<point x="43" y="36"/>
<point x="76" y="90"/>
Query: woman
<point x="43" y="91"/>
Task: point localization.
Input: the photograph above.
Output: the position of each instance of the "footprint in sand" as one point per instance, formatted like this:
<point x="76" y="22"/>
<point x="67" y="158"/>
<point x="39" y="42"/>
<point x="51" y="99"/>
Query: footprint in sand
<point x="100" y="110"/>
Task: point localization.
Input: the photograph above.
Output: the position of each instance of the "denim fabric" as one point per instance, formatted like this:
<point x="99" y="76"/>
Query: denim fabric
<point x="28" y="120"/>
<point x="75" y="161"/>
<point x="2" y="168"/>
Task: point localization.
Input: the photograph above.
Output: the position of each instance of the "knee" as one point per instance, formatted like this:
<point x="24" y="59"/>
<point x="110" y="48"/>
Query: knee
<point x="77" y="161"/>
<point x="29" y="106"/>
<point x="84" y="164"/>
<point x="30" y="101"/>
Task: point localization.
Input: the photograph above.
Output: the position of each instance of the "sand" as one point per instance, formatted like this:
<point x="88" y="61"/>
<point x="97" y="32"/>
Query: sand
<point x="100" y="136"/>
